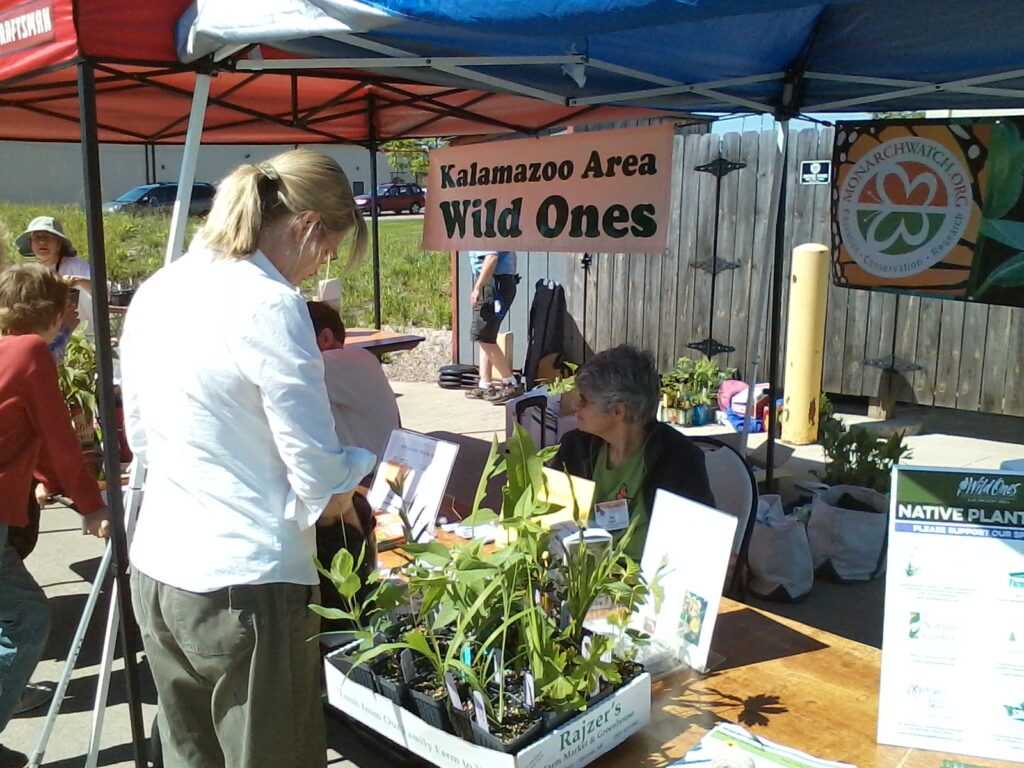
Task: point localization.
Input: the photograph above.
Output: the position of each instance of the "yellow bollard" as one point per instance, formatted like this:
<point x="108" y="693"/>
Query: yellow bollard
<point x="805" y="343"/>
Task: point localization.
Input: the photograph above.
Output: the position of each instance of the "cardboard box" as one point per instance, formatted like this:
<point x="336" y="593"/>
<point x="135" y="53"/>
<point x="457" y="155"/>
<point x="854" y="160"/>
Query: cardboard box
<point x="360" y="703"/>
<point x="573" y="745"/>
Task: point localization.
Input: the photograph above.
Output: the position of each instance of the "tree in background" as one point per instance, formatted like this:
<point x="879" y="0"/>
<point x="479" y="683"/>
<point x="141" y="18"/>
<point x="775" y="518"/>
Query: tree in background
<point x="409" y="156"/>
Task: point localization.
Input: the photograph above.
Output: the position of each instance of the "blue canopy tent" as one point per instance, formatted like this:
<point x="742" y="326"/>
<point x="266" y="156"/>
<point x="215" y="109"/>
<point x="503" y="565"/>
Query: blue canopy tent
<point x="777" y="57"/>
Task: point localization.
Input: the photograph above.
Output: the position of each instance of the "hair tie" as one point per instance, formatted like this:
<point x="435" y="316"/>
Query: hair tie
<point x="268" y="171"/>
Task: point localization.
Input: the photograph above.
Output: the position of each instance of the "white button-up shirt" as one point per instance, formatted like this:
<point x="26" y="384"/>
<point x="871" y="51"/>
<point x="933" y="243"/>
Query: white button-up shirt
<point x="225" y="404"/>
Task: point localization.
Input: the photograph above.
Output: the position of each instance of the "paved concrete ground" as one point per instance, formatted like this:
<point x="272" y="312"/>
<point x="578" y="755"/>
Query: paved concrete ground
<point x="65" y="563"/>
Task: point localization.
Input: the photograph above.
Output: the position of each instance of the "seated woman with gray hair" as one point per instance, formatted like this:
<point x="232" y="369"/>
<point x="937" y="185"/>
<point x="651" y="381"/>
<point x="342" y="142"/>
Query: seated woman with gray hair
<point x="619" y="444"/>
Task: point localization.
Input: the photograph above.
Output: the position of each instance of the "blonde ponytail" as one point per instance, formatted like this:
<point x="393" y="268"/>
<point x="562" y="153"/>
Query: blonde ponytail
<point x="253" y="197"/>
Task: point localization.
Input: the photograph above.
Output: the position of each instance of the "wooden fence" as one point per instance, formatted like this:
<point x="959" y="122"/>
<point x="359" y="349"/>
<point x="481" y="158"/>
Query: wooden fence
<point x="970" y="356"/>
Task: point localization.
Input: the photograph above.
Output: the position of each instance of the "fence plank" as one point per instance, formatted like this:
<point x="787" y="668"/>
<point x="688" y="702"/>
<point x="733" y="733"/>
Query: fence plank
<point x="665" y="294"/>
<point x="854" y="345"/>
<point x="972" y="356"/>
<point x="722" y="311"/>
<point x="619" y="299"/>
<point x="761" y="257"/>
<point x="878" y="340"/>
<point x="927" y="350"/>
<point x="636" y="273"/>
<point x="1013" y="399"/>
<point x="689" y="207"/>
<point x="997" y="345"/>
<point x="951" y="334"/>
<point x="908" y="312"/>
<point x="699" y="283"/>
<point x="743" y="250"/>
<point x="800" y="221"/>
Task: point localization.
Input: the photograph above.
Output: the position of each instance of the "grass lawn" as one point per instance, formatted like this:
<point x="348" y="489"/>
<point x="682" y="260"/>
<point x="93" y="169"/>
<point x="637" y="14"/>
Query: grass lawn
<point x="415" y="284"/>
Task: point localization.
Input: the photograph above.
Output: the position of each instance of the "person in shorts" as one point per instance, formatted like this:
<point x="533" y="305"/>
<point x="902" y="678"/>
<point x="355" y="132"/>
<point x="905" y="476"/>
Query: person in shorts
<point x="494" y="290"/>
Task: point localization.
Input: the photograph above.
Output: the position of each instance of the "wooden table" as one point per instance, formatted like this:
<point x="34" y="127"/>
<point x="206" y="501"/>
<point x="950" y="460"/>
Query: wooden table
<point x="780" y="679"/>
<point x="380" y="342"/>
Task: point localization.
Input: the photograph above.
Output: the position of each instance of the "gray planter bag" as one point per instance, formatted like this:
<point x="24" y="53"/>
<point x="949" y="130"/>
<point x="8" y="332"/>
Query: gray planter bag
<point x="779" y="555"/>
<point x="849" y="544"/>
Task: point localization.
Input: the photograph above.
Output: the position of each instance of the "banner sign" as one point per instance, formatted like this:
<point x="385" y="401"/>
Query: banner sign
<point x="953" y="638"/>
<point x="931" y="207"/>
<point x="597" y="191"/>
<point x="26" y="26"/>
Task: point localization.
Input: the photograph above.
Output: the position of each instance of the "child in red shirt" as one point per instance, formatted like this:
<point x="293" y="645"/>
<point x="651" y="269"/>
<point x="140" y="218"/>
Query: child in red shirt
<point x="36" y="440"/>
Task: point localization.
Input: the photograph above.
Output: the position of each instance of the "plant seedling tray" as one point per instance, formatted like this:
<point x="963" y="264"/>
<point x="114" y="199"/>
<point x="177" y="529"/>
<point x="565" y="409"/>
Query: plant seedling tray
<point x="573" y="744"/>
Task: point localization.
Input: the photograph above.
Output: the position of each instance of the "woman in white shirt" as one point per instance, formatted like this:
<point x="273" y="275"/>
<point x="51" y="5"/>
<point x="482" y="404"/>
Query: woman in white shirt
<point x="226" y="406"/>
<point x="45" y="239"/>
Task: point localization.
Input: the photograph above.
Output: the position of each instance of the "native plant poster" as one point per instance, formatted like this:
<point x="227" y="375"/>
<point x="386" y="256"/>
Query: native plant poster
<point x="931" y="207"/>
<point x="953" y="637"/>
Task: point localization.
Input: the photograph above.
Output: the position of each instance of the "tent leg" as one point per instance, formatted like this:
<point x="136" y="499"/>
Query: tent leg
<point x="776" y="317"/>
<point x="107" y="405"/>
<point x="193" y="138"/>
<point x="779" y="209"/>
<point x="375" y="229"/>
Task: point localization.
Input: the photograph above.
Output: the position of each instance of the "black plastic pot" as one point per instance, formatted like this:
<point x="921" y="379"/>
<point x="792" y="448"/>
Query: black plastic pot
<point x="606" y="690"/>
<point x="462" y="724"/>
<point x="629" y="671"/>
<point x="484" y="739"/>
<point x="552" y="719"/>
<point x="432" y="711"/>
<point x="389" y="688"/>
<point x="358" y="673"/>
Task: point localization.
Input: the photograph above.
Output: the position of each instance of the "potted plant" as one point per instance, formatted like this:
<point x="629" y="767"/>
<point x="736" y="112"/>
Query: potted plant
<point x="496" y="648"/>
<point x="849" y="524"/>
<point x="76" y="374"/>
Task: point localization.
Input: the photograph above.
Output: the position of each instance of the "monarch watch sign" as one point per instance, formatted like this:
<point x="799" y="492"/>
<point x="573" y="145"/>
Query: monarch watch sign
<point x="931" y="207"/>
<point x="599" y="191"/>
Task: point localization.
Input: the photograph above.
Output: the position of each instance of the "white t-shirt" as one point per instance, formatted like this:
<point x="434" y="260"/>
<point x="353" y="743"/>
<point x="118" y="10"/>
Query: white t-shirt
<point x="364" y="405"/>
<point x="225" y="404"/>
<point x="72" y="266"/>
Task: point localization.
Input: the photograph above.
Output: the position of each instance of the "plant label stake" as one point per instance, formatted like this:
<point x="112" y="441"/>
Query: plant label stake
<point x="467" y="656"/>
<point x="529" y="698"/>
<point x="453" y="692"/>
<point x="499" y="665"/>
<point x="480" y="711"/>
<point x="408" y="670"/>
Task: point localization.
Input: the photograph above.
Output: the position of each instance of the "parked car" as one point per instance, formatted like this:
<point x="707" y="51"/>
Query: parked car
<point x="159" y="198"/>
<point x="394" y="198"/>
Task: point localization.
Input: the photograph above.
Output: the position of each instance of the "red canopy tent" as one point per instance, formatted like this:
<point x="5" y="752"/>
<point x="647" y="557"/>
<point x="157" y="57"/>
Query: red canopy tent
<point x="107" y="71"/>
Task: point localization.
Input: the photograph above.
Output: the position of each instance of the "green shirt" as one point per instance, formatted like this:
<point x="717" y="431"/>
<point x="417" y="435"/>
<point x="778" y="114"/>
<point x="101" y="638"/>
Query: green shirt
<point x="623" y="482"/>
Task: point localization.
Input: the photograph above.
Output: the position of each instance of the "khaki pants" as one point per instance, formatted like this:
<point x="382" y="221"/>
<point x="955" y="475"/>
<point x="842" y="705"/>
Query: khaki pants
<point x="238" y="682"/>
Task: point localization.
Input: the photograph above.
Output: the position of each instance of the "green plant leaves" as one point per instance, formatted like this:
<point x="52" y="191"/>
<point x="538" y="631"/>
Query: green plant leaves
<point x="1009" y="274"/>
<point x="1005" y="169"/>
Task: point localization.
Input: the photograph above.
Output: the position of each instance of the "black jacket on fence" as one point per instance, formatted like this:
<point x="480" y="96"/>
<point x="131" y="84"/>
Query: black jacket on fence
<point x="671" y="461"/>
<point x="547" y="329"/>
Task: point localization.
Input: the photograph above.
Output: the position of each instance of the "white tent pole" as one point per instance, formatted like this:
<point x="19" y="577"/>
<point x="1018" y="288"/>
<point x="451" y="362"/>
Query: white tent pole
<point x="179" y="219"/>
<point x="782" y="142"/>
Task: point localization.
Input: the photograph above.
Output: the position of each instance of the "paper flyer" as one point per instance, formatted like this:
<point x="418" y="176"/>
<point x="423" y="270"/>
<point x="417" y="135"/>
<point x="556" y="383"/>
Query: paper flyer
<point x="730" y="745"/>
<point x="687" y="551"/>
<point x="953" y="639"/>
<point x="422" y="465"/>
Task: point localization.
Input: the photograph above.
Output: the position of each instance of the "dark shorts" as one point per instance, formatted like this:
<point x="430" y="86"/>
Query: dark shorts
<point x="487" y="321"/>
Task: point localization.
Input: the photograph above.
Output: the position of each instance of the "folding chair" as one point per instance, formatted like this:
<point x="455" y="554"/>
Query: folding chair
<point x="732" y="483"/>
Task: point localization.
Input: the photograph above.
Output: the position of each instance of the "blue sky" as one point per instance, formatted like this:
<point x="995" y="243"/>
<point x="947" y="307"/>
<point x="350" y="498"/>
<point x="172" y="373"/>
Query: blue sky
<point x="741" y="123"/>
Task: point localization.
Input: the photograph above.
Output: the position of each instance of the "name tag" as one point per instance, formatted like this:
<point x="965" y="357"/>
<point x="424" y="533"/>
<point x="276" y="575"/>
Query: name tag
<point x="611" y="515"/>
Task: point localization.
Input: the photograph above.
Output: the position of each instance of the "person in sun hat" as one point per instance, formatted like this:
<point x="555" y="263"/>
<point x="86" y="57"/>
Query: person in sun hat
<point x="44" y="238"/>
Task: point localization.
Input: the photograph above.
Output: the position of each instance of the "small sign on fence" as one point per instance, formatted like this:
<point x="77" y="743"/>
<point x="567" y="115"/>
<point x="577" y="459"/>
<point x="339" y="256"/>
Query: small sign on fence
<point x="815" y="171"/>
